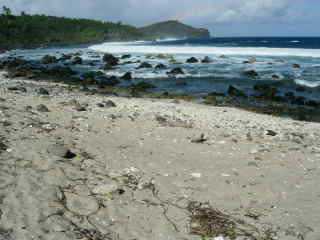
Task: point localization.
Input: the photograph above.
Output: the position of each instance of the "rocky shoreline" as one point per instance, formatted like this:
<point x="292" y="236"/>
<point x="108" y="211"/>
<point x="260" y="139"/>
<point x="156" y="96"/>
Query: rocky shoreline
<point x="97" y="163"/>
<point x="265" y="98"/>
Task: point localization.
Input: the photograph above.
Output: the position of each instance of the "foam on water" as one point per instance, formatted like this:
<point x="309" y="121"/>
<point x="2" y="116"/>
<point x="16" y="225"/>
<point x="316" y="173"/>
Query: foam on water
<point x="306" y="83"/>
<point x="144" y="48"/>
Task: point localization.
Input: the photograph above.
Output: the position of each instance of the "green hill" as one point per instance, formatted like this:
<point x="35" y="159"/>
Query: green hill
<point x="38" y="30"/>
<point x="28" y="31"/>
<point x="173" y="29"/>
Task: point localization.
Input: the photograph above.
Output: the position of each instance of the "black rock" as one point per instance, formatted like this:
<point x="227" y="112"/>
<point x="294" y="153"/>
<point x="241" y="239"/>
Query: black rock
<point x="233" y="91"/>
<point x="160" y="66"/>
<point x="42" y="108"/>
<point x="47" y="59"/>
<point x="109" y="104"/>
<point x="207" y="60"/>
<point x="301" y="89"/>
<point x="76" y="60"/>
<point x="127" y="76"/>
<point x="251" y="73"/>
<point x="126" y="56"/>
<point x="176" y="71"/>
<point x="295" y="65"/>
<point x="192" y="60"/>
<point x="110" y="59"/>
<point x="17" y="88"/>
<point x="144" y="65"/>
<point x="271" y="133"/>
<point x="43" y="91"/>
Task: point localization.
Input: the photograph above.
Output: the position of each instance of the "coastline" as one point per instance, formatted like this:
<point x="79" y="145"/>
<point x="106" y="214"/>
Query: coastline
<point x="138" y="163"/>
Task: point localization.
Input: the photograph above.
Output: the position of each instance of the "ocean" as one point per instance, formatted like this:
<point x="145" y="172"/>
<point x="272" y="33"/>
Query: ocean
<point x="273" y="59"/>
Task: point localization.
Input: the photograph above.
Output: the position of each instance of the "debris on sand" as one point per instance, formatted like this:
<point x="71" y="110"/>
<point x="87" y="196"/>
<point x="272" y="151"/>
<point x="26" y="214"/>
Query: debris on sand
<point x="208" y="222"/>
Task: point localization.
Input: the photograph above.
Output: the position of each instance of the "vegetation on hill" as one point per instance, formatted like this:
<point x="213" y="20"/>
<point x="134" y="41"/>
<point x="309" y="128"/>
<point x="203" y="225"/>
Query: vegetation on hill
<point x="173" y="29"/>
<point x="27" y="31"/>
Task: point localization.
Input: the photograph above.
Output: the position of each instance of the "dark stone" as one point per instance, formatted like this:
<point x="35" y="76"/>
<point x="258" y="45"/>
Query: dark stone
<point x="206" y="60"/>
<point x="76" y="60"/>
<point x="275" y="77"/>
<point x="17" y="88"/>
<point x="127" y="76"/>
<point x="43" y="91"/>
<point x="47" y="59"/>
<point x="235" y="92"/>
<point x="295" y="65"/>
<point x="42" y="108"/>
<point x="192" y="60"/>
<point x="251" y="73"/>
<point x="110" y="59"/>
<point x="266" y="91"/>
<point x="126" y="56"/>
<point x="160" y="66"/>
<point x="299" y="100"/>
<point x="301" y="89"/>
<point x="312" y="103"/>
<point x="176" y="71"/>
<point x="271" y="133"/>
<point x="144" y="65"/>
<point x="109" y="104"/>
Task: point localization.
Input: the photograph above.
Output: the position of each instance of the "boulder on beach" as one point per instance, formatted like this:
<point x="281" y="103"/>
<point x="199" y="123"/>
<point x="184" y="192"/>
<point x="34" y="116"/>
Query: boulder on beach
<point x="47" y="59"/>
<point x="110" y="59"/>
<point x="160" y="66"/>
<point x="176" y="71"/>
<point x="206" y="59"/>
<point x="76" y="60"/>
<point x="144" y="65"/>
<point x="235" y="92"/>
<point x="251" y="73"/>
<point x="127" y="76"/>
<point x="192" y="60"/>
<point x="126" y="56"/>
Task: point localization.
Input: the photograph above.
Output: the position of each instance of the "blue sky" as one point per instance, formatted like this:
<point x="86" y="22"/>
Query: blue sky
<point x="222" y="17"/>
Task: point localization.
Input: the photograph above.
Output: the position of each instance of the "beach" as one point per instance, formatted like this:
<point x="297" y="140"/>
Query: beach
<point x="76" y="165"/>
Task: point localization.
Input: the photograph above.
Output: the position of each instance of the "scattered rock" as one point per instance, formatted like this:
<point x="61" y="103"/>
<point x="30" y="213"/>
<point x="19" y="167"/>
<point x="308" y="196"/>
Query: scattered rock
<point x="43" y="91"/>
<point x="176" y="71"/>
<point x="251" y="73"/>
<point x="81" y="205"/>
<point x="200" y="139"/>
<point x="76" y="60"/>
<point x="126" y="56"/>
<point x="47" y="59"/>
<point x="271" y="133"/>
<point x="207" y="60"/>
<point x="42" y="108"/>
<point x="110" y="59"/>
<point x="109" y="104"/>
<point x="144" y="65"/>
<point x="160" y="66"/>
<point x="127" y="76"/>
<point x="233" y="91"/>
<point x="17" y="88"/>
<point x="295" y="65"/>
<point x="192" y="60"/>
<point x="62" y="151"/>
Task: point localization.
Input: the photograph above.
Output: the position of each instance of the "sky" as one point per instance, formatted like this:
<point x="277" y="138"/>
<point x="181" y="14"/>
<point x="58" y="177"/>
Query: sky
<point x="221" y="17"/>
